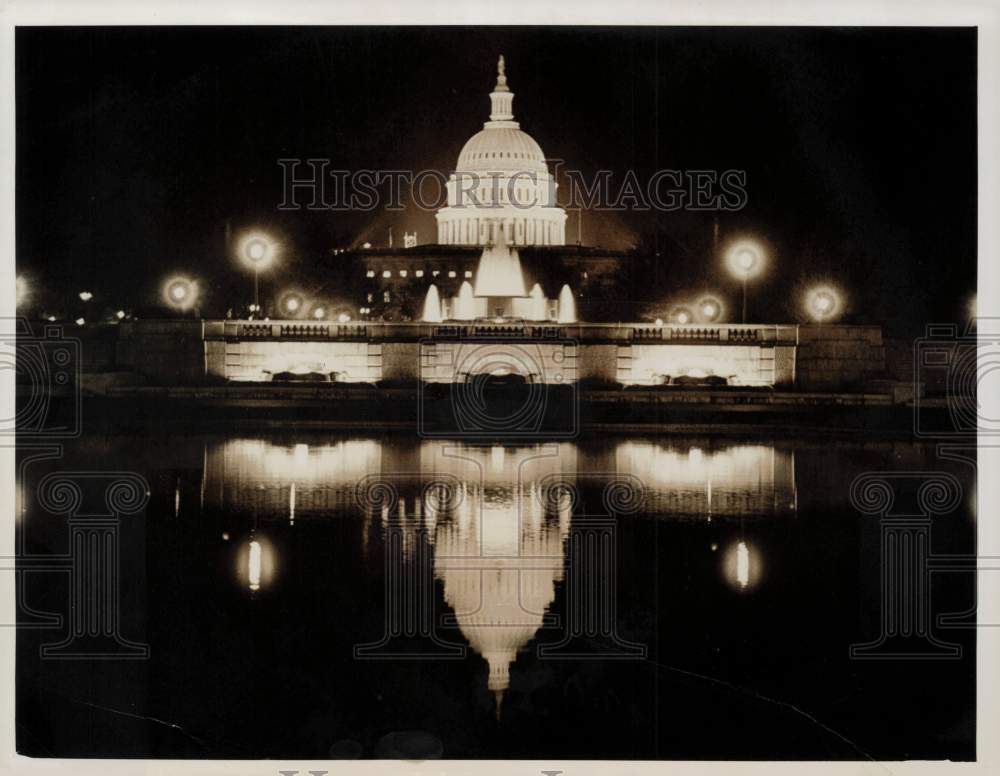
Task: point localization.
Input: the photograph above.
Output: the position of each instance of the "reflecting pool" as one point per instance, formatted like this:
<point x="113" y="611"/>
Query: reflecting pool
<point x="315" y="595"/>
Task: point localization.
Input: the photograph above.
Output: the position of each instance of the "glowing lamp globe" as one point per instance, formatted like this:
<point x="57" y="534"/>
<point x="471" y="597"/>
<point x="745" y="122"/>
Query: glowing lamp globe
<point x="681" y="315"/>
<point x="745" y="259"/>
<point x="823" y="303"/>
<point x="710" y="309"/>
<point x="179" y="293"/>
<point x="257" y="250"/>
<point x="319" y="313"/>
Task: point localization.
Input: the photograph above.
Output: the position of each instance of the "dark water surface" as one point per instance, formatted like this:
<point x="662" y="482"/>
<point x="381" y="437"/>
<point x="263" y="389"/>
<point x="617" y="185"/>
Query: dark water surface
<point x="308" y="595"/>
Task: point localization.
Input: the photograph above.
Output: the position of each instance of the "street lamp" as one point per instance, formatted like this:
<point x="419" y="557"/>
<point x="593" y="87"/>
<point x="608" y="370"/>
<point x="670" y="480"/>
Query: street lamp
<point x="257" y="250"/>
<point x="179" y="293"/>
<point x="292" y="304"/>
<point x="745" y="259"/>
<point x="710" y="309"/>
<point x="319" y="313"/>
<point x="681" y="315"/>
<point x="823" y="303"/>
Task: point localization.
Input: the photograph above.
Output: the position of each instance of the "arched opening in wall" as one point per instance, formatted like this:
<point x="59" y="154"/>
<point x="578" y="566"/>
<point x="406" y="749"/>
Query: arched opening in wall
<point x="500" y="368"/>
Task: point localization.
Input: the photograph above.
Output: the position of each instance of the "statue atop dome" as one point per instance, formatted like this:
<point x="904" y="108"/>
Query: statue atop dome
<point x="501" y="76"/>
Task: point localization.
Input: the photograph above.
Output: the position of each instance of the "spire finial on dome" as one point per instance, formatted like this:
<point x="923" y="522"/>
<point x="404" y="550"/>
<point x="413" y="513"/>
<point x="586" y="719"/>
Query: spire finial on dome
<point x="502" y="75"/>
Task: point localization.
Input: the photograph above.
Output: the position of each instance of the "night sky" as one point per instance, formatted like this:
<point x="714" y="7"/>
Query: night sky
<point x="136" y="146"/>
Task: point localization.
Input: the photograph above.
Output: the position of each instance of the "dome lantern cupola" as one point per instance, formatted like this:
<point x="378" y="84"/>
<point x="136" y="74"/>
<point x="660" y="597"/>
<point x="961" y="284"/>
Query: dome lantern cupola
<point x="501" y="98"/>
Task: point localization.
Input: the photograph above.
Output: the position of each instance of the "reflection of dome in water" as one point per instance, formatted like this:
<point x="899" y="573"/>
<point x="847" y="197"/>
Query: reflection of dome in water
<point x="499" y="560"/>
<point x="500" y="605"/>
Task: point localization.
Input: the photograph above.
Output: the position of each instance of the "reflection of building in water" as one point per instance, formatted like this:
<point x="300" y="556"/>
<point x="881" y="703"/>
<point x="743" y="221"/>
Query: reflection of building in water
<point x="733" y="481"/>
<point x="299" y="480"/>
<point x="499" y="551"/>
<point x="498" y="521"/>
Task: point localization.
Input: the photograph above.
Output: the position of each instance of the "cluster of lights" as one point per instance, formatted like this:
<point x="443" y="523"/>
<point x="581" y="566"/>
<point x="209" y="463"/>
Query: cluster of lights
<point x="707" y="309"/>
<point x="294" y="304"/>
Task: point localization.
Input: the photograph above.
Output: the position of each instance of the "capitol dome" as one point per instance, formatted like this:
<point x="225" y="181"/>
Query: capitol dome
<point x="501" y="185"/>
<point x="507" y="149"/>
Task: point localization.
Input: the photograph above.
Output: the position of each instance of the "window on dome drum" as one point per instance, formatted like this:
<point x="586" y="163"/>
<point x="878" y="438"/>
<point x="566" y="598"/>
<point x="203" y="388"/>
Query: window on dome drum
<point x="386" y="297"/>
<point x="371" y="273"/>
<point x="468" y="273"/>
<point x="435" y="273"/>
<point x="420" y="273"/>
<point x="403" y="273"/>
<point x="386" y="274"/>
<point x="451" y="273"/>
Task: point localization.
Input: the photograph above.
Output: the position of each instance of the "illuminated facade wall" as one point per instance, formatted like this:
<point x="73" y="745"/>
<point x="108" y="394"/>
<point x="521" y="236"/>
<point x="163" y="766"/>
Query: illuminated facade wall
<point x="805" y="358"/>
<point x="749" y="365"/>
<point x="256" y="360"/>
<point x="449" y="362"/>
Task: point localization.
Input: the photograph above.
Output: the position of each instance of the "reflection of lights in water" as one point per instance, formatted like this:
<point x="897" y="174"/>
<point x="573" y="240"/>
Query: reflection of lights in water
<point x="733" y="480"/>
<point x="177" y="499"/>
<point x="742" y="566"/>
<point x="291" y="504"/>
<point x="255" y="565"/>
